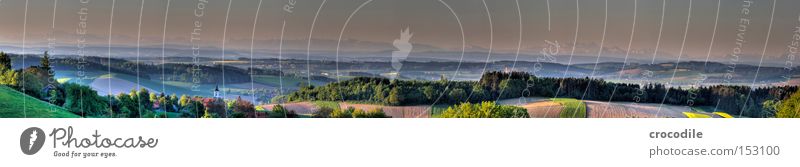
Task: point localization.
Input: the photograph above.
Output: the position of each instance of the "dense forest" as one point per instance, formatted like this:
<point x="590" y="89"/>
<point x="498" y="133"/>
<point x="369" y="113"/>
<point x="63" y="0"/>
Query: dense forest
<point x="500" y="85"/>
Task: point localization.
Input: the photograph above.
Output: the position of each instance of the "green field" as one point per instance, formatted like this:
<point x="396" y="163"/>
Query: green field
<point x="14" y="104"/>
<point x="437" y="110"/>
<point x="327" y="104"/>
<point x="179" y="88"/>
<point x="573" y="108"/>
<point x="63" y="76"/>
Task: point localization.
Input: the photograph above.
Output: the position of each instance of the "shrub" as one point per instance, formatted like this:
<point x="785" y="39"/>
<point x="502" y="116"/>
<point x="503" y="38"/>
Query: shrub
<point x="323" y="112"/>
<point x="374" y="113"/>
<point x="790" y="107"/>
<point x="338" y="113"/>
<point x="84" y="101"/>
<point x="484" y="110"/>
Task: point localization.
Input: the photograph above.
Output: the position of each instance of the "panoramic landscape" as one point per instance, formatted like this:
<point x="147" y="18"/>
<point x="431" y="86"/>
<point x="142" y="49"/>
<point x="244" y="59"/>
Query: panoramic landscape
<point x="475" y="59"/>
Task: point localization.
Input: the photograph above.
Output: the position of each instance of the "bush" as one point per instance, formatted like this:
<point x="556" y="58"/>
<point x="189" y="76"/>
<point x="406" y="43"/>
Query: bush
<point x="789" y="108"/>
<point x="242" y="107"/>
<point x="239" y="115"/>
<point x="292" y="114"/>
<point x="484" y="110"/>
<point x="323" y="112"/>
<point x="339" y="113"/>
<point x="279" y="112"/>
<point x="374" y="113"/>
<point x="84" y="101"/>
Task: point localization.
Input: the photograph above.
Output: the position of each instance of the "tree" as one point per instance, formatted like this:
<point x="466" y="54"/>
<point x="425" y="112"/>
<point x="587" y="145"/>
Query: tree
<point x="512" y="87"/>
<point x="84" y="101"/>
<point x="126" y="113"/>
<point x="31" y="84"/>
<point x="166" y="104"/>
<point x="279" y="112"/>
<point x="194" y="108"/>
<point x="380" y="94"/>
<point x="395" y="97"/>
<point x="484" y="110"/>
<point x="429" y="92"/>
<point x="457" y="94"/>
<point x="206" y="114"/>
<point x="143" y="97"/>
<point x="7" y="75"/>
<point x="243" y="106"/>
<point x="478" y="92"/>
<point x="173" y="99"/>
<point x="154" y="97"/>
<point x="373" y="113"/>
<point x="790" y="108"/>
<point x="359" y="113"/>
<point x="770" y="107"/>
<point x="339" y="113"/>
<point x="184" y="101"/>
<point x="5" y="62"/>
<point x="127" y="106"/>
<point x="54" y="96"/>
<point x="45" y="62"/>
<point x="9" y="78"/>
<point x="215" y="107"/>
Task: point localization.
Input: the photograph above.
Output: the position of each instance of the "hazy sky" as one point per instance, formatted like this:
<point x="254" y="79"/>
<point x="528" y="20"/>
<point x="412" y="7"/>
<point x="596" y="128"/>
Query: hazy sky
<point x="431" y="21"/>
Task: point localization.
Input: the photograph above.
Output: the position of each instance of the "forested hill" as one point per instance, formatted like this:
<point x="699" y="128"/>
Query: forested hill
<point x="500" y="85"/>
<point x="180" y="72"/>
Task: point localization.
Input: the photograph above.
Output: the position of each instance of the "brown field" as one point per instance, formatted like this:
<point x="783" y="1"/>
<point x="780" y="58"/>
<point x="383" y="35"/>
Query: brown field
<point x="598" y="109"/>
<point x="540" y="109"/>
<point x="537" y="108"/>
<point x="394" y="111"/>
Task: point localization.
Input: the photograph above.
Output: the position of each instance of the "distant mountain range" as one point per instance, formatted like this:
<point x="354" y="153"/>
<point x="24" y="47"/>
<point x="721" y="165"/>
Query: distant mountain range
<point x="635" y="70"/>
<point x="357" y="50"/>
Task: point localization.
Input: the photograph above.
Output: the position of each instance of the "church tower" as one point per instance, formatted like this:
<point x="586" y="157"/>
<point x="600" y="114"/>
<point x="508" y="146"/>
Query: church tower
<point x="216" y="92"/>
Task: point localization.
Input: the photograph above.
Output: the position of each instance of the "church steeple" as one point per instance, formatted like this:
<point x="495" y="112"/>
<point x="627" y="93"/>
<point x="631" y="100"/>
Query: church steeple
<point x="216" y="92"/>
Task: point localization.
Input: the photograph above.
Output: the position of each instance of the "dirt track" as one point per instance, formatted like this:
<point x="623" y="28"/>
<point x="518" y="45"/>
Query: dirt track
<point x="598" y="109"/>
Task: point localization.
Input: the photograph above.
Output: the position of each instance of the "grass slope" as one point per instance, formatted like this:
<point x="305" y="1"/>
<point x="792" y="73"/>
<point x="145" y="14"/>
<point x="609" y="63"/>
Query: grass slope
<point x="15" y="104"/>
<point x="327" y="104"/>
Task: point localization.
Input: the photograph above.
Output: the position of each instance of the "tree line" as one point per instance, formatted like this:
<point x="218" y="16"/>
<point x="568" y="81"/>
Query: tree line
<point x="502" y="85"/>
